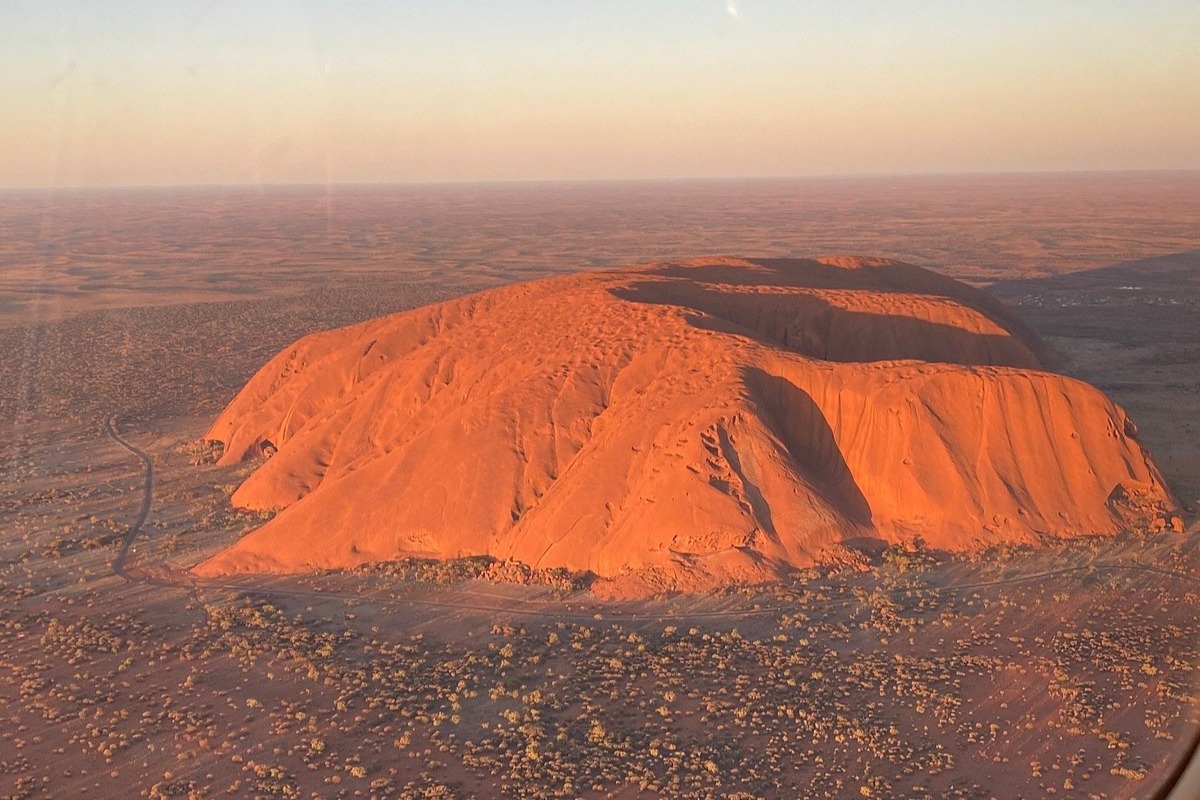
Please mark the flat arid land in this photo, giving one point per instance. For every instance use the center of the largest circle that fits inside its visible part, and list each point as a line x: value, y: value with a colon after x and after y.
x: 129, y: 320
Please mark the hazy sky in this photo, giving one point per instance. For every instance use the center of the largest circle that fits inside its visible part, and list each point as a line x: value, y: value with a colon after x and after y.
x: 310, y: 91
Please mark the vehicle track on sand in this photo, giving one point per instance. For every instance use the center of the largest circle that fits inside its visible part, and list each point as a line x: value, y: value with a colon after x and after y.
x: 119, y: 562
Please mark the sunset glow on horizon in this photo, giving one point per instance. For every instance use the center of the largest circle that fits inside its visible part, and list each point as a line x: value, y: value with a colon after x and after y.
x: 300, y: 91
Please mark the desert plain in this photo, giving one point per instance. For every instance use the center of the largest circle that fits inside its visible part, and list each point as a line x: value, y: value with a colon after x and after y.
x: 130, y: 319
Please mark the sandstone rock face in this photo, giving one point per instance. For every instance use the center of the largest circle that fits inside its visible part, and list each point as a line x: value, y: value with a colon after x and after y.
x: 690, y: 424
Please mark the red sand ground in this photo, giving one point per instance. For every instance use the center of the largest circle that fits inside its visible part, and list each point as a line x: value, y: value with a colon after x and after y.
x: 680, y: 425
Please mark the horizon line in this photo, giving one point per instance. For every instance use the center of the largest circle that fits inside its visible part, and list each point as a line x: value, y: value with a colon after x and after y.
x: 846, y: 176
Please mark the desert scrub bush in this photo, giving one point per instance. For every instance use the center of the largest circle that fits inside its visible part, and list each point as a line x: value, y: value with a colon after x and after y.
x: 457, y: 570
x: 174, y: 789
x: 909, y: 557
x: 201, y: 451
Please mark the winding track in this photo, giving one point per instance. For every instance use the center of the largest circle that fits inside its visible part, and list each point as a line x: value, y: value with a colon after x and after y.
x: 119, y: 565
x: 1182, y: 782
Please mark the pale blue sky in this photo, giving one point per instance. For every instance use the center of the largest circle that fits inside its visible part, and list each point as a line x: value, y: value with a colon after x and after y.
x: 283, y: 91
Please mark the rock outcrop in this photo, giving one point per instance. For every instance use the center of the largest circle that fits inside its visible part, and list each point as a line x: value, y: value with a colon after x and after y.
x: 689, y: 424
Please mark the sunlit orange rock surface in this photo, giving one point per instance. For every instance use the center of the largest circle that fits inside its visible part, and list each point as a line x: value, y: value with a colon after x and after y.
x: 689, y: 424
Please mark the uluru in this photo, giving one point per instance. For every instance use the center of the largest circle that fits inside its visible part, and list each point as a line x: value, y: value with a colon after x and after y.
x: 690, y: 424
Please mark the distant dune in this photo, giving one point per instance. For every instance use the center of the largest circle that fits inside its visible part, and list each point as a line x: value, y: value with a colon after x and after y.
x: 680, y: 426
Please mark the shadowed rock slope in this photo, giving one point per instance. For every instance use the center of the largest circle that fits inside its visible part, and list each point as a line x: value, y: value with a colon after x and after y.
x: 679, y: 425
